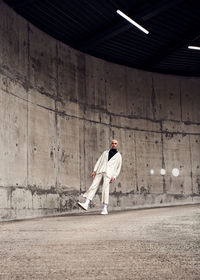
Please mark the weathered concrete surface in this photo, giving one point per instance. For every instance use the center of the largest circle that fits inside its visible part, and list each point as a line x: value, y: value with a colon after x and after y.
x: 59, y: 109
x: 149, y: 244
x: 14, y: 44
x: 189, y: 98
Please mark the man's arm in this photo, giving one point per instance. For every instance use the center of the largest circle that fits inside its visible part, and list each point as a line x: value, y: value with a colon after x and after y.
x: 96, y: 166
x: 118, y: 168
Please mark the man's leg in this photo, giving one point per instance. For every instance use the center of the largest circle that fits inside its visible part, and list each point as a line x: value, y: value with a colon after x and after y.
x: 91, y: 191
x: 105, y: 194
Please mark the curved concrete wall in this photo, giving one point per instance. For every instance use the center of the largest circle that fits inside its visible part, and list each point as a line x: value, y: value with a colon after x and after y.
x: 59, y: 110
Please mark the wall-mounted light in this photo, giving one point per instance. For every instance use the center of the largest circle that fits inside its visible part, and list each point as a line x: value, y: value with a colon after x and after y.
x: 132, y: 21
x: 151, y: 171
x: 162, y: 171
x: 194, y: 48
x: 175, y: 172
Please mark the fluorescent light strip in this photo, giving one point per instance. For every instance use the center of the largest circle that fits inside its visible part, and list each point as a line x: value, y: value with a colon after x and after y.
x: 194, y: 48
x: 132, y: 21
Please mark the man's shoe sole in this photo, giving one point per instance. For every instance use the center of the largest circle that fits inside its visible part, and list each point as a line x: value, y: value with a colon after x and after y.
x: 104, y: 213
x: 79, y: 204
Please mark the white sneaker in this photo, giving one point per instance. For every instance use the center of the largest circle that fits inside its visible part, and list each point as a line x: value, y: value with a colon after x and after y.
x: 104, y: 212
x: 84, y: 206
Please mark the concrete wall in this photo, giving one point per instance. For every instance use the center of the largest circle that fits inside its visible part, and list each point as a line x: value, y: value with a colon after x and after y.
x: 60, y: 108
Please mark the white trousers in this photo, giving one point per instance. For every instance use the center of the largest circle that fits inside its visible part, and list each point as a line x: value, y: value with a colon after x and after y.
x: 94, y: 187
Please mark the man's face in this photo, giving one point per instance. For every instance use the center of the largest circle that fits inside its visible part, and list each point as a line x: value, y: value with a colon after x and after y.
x: 114, y: 145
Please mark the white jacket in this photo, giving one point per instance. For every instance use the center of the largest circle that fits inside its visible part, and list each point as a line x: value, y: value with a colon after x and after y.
x: 111, y: 167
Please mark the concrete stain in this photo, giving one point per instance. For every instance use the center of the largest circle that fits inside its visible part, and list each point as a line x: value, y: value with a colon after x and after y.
x: 169, y: 135
x: 153, y: 100
x: 69, y: 203
x: 145, y: 190
x: 119, y: 185
x: 198, y: 183
x: 51, y: 154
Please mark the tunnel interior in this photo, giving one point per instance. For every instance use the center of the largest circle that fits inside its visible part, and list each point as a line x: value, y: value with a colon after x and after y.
x: 60, y: 108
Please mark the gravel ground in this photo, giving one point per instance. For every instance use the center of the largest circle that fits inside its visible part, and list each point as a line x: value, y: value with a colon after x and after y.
x: 161, y: 243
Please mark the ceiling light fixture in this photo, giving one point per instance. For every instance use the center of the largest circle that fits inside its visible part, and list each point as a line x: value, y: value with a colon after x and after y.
x: 132, y: 21
x: 194, y: 48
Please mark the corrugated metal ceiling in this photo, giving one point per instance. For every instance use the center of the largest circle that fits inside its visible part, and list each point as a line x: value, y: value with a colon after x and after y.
x: 95, y: 28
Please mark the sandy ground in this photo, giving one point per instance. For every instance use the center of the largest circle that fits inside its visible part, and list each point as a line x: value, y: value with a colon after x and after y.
x: 162, y: 243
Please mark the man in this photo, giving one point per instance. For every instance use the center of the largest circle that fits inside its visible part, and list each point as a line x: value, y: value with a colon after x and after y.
x: 107, y: 167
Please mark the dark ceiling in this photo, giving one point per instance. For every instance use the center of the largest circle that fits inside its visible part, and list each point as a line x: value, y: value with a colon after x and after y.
x: 95, y: 28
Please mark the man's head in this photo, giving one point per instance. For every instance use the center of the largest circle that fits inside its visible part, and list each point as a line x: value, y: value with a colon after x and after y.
x: 114, y: 144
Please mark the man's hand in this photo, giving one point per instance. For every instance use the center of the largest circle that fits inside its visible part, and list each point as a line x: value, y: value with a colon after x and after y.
x: 112, y: 180
x: 92, y: 175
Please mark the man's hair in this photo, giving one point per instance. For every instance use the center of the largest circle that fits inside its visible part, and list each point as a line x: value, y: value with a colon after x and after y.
x: 114, y: 140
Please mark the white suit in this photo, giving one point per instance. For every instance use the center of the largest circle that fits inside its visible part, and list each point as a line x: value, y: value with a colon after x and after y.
x: 105, y: 169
